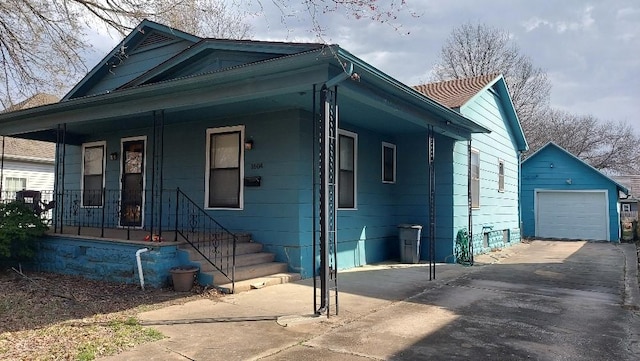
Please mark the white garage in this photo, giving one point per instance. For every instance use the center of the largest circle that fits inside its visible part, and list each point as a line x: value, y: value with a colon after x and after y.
x: 580, y: 214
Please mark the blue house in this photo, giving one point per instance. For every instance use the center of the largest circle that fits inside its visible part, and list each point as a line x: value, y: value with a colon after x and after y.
x: 248, y: 158
x: 486, y: 167
x: 564, y: 197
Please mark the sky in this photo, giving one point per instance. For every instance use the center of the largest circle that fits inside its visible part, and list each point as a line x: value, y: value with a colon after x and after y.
x: 590, y: 50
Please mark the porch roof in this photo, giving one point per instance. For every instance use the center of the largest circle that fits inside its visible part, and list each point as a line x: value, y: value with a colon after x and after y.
x: 373, y: 99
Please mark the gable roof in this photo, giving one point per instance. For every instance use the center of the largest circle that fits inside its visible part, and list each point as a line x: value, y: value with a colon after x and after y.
x: 295, y: 69
x: 457, y: 93
x: 146, y: 35
x: 555, y: 147
x: 209, y: 51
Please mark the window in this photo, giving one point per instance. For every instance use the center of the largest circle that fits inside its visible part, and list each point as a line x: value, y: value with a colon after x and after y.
x: 626, y: 207
x: 225, y: 168
x: 500, y: 175
x: 388, y: 163
x: 93, y: 164
x: 475, y: 179
x: 12, y: 185
x: 347, y: 175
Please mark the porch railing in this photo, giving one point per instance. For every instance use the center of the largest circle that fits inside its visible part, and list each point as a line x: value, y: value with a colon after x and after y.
x: 208, y: 237
x: 170, y: 215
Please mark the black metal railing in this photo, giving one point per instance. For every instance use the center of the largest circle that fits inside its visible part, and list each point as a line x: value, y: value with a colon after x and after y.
x: 135, y: 215
x: 208, y: 237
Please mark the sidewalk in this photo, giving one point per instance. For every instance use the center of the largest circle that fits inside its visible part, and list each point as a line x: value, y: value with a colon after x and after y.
x: 245, y: 326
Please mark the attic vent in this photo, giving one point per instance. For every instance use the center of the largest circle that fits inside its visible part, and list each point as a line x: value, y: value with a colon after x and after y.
x: 153, y: 39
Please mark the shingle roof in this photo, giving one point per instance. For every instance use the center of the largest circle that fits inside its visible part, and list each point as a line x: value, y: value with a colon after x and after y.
x: 34, y: 101
x: 455, y: 93
x: 26, y: 148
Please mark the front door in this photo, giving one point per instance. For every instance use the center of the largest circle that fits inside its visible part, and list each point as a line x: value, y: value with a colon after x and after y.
x: 132, y: 178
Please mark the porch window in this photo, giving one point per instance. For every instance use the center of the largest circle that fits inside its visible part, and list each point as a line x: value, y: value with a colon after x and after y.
x: 347, y: 175
x: 13, y: 185
x: 388, y: 163
x: 225, y: 159
x: 500, y: 175
x: 93, y: 164
x: 475, y: 179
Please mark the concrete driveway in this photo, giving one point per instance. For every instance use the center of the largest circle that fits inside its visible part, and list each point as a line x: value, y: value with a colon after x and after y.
x: 544, y: 300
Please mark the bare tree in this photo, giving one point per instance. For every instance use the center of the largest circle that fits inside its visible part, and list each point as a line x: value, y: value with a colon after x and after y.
x: 42, y: 42
x: 607, y: 146
x: 473, y: 50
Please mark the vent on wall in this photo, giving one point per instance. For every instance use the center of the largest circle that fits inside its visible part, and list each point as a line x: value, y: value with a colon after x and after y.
x: 152, y: 39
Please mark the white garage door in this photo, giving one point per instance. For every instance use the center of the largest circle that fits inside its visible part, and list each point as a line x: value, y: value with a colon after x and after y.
x: 573, y: 215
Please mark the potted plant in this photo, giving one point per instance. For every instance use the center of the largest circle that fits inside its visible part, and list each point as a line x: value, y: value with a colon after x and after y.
x: 183, y: 277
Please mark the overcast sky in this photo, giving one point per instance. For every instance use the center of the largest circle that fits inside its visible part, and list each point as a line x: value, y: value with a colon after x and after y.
x: 590, y: 50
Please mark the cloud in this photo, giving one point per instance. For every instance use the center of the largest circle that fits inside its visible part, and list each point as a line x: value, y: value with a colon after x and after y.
x: 585, y: 21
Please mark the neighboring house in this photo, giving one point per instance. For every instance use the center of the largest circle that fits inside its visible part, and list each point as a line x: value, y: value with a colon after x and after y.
x: 494, y: 157
x: 181, y: 138
x: 27, y: 164
x: 564, y: 197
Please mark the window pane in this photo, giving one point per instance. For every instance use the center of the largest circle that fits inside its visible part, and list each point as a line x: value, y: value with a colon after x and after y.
x: 346, y: 198
x: 224, y: 188
x: 93, y: 160
x: 225, y: 150
x: 501, y: 176
x: 475, y: 179
x: 92, y: 191
x: 388, y: 164
x: 15, y: 184
x: 346, y: 152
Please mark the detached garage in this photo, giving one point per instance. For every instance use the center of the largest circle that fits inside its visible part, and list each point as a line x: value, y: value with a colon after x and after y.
x: 564, y: 197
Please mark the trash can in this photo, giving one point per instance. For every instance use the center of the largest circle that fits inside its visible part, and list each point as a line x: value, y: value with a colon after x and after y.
x: 409, y: 235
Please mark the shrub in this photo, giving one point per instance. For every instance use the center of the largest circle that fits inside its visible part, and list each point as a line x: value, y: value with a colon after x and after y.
x: 19, y: 228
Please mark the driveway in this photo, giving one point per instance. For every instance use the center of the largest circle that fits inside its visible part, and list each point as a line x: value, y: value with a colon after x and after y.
x: 544, y: 300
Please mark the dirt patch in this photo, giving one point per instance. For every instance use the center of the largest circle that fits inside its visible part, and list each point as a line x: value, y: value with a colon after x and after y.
x: 52, y: 316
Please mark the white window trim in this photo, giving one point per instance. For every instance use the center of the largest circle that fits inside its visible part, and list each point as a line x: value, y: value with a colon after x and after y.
x: 392, y: 146
x: 102, y: 143
x: 210, y: 131
x: 144, y: 174
x: 626, y: 205
x: 474, y: 150
x: 504, y: 185
x: 355, y: 170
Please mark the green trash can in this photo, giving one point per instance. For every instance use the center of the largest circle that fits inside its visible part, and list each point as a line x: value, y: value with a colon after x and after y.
x: 409, y: 235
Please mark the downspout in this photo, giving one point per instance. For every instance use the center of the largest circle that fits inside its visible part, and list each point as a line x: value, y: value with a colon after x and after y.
x: 2, y: 170
x: 519, y: 193
x: 139, y: 262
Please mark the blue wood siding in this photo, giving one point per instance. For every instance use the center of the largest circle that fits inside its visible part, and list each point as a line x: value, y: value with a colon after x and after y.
x: 135, y: 65
x: 498, y: 210
x: 538, y: 174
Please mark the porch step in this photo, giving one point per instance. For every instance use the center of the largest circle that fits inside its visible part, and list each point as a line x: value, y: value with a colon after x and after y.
x: 259, y: 282
x: 241, y: 248
x: 242, y: 260
x: 251, y: 271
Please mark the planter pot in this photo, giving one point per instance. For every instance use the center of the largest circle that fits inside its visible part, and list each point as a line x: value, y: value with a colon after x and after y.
x: 183, y: 277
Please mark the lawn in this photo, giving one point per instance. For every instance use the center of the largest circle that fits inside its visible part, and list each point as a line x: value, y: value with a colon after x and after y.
x: 60, y: 317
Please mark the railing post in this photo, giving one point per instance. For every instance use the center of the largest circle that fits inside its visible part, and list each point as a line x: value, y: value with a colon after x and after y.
x: 176, y: 223
x: 104, y: 205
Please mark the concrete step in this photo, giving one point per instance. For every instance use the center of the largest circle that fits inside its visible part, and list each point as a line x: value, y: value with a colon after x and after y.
x: 224, y: 238
x: 223, y: 249
x: 260, y: 282
x: 242, y: 260
x: 249, y: 272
